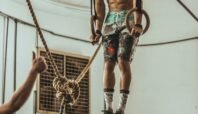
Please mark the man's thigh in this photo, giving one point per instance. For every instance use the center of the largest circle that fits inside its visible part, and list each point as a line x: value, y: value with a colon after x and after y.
x: 110, y: 46
x: 125, y: 47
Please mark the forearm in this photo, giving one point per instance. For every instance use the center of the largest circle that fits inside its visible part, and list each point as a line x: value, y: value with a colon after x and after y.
x: 22, y: 94
x: 138, y: 18
x: 138, y: 15
x: 6, y: 109
x: 100, y: 10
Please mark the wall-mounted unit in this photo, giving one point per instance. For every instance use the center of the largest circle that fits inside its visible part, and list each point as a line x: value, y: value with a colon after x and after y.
x: 69, y: 65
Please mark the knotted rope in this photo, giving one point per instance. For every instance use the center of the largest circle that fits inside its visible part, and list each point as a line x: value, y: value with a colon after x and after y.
x: 68, y: 90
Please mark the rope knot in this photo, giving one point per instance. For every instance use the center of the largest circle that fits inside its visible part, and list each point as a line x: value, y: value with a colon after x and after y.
x: 67, y: 89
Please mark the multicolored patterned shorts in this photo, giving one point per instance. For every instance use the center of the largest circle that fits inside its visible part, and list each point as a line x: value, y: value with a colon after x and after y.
x: 117, y: 45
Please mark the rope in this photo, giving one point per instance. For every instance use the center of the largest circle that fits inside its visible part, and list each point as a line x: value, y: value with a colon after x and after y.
x: 54, y: 66
x: 82, y: 74
x: 67, y: 90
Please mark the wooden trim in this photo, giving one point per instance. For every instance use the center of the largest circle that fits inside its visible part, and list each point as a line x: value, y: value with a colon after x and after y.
x: 65, y: 53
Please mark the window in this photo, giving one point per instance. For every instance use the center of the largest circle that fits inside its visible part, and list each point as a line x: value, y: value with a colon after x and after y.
x: 70, y: 66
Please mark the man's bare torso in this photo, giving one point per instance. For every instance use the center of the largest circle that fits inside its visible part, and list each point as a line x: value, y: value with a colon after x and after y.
x: 118, y: 5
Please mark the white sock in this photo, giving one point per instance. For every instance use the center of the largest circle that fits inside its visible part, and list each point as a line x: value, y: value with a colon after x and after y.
x: 123, y: 101
x: 108, y: 96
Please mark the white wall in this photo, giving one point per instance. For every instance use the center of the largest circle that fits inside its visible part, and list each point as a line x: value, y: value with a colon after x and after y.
x: 169, y: 21
x: 165, y: 80
x: 26, y: 43
x: 60, y: 20
x: 164, y: 77
x: 10, y: 53
x: 10, y: 63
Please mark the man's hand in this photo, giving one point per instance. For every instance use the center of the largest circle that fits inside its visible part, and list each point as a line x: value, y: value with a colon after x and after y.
x: 95, y: 38
x: 137, y: 30
x: 38, y: 63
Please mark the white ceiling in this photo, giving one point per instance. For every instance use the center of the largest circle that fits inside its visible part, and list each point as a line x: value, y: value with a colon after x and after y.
x: 192, y: 5
x: 82, y: 4
x: 85, y: 4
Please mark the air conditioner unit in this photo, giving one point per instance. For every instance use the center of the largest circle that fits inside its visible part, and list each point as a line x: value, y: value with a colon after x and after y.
x: 69, y: 65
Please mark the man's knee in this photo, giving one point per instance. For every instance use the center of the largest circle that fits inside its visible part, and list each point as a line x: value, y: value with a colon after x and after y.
x: 109, y: 65
x: 124, y: 65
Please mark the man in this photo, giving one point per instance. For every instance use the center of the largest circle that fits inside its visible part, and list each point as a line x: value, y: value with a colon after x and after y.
x: 22, y: 94
x: 117, y: 47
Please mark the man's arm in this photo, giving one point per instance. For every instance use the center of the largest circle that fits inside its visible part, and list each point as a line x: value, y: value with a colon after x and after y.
x: 138, y: 16
x: 22, y: 94
x: 100, y: 11
x: 137, y: 29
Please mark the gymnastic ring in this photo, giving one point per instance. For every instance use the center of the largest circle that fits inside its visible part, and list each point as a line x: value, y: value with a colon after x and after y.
x: 92, y: 23
x: 129, y: 28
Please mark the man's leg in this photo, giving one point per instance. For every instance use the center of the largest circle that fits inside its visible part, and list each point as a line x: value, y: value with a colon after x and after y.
x: 125, y: 81
x: 125, y: 78
x: 108, y: 83
x: 110, y: 44
x: 124, y: 54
